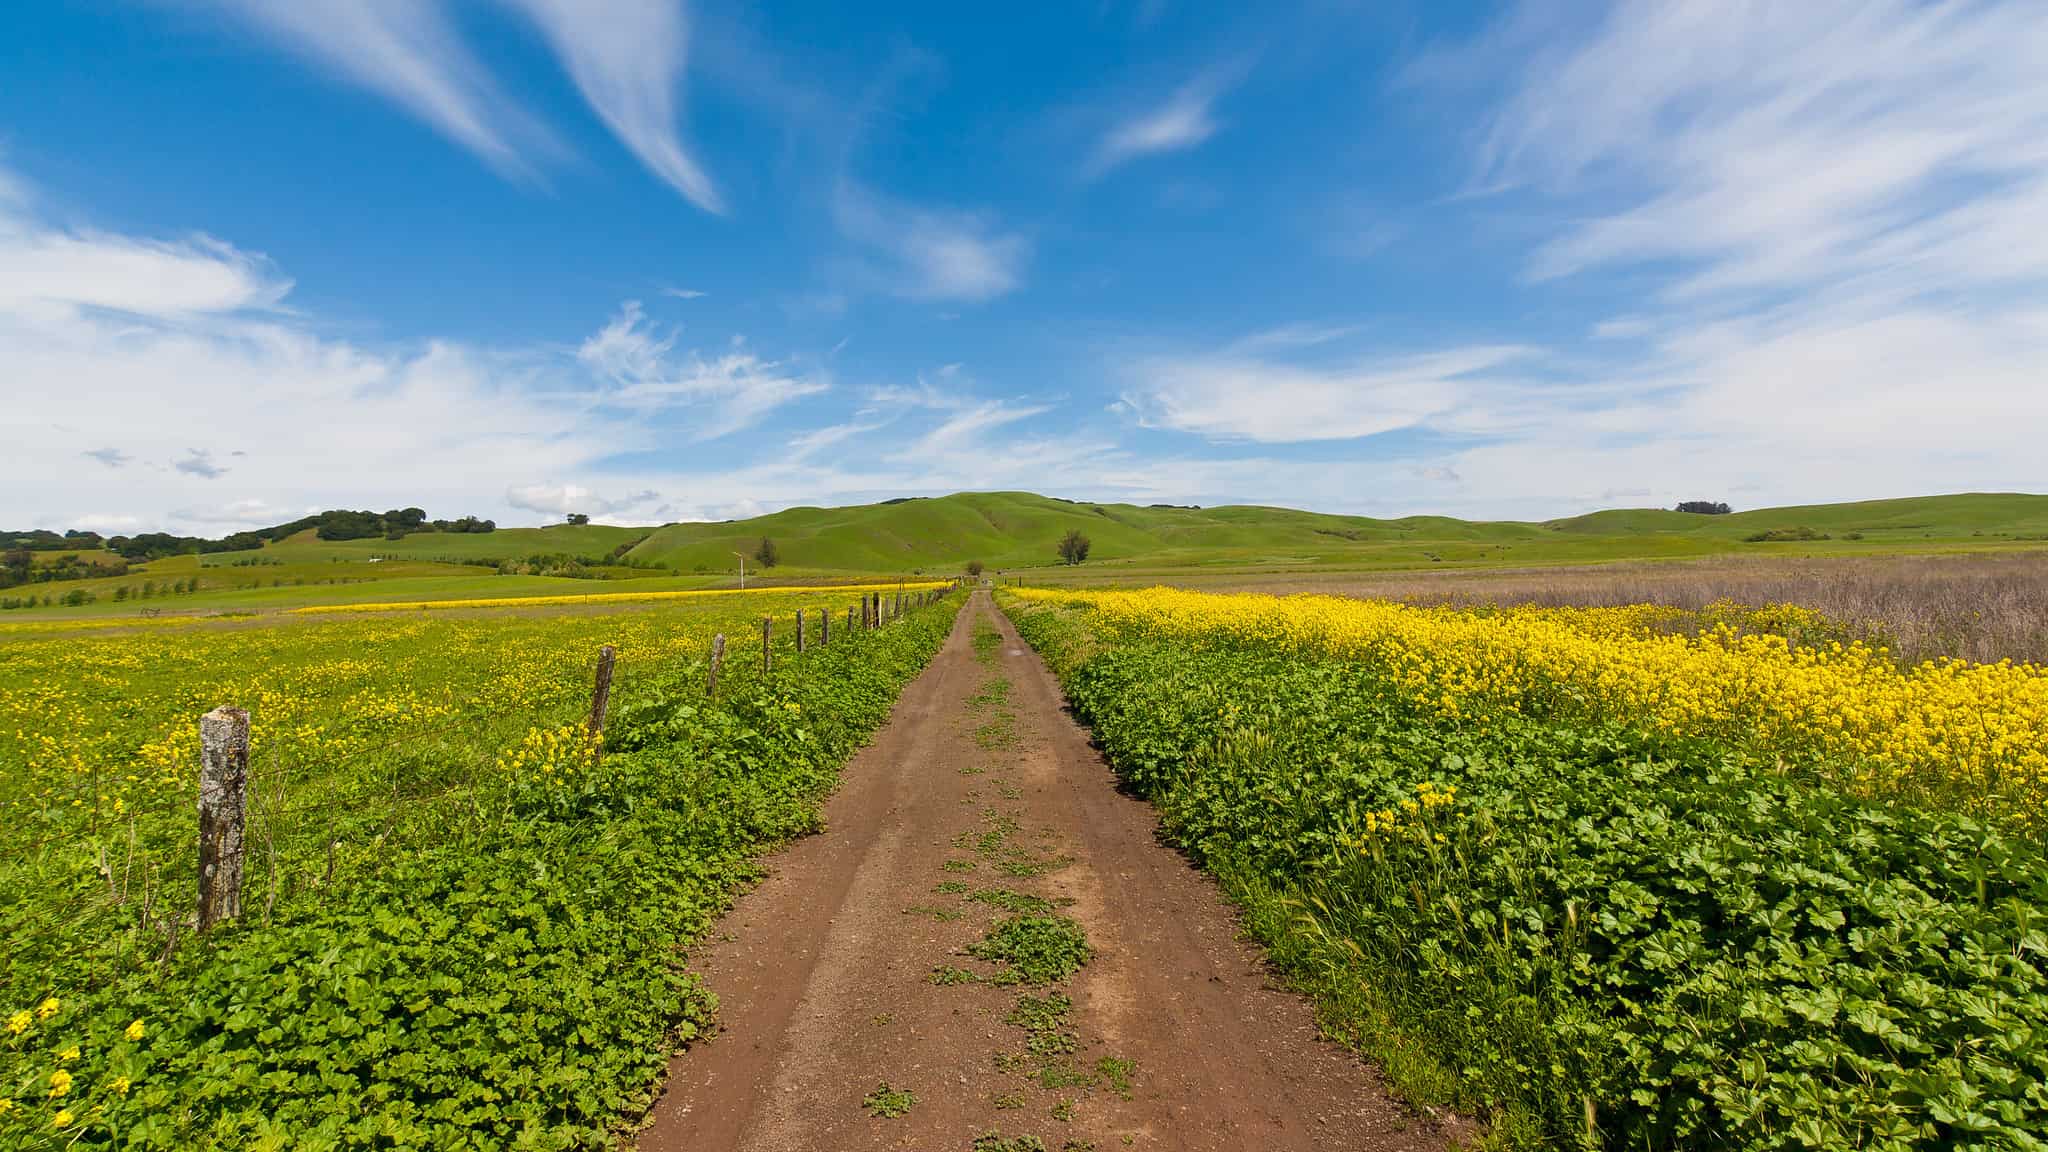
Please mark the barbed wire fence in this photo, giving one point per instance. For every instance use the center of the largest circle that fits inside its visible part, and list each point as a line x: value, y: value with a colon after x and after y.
x: 284, y: 825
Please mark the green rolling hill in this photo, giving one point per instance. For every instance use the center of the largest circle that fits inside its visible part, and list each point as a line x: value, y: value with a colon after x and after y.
x: 1008, y: 532
x: 1019, y: 529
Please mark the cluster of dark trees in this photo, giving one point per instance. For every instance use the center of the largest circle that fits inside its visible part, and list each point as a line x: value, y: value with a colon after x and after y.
x: 44, y: 540
x: 1705, y: 507
x: 18, y: 566
x: 335, y: 524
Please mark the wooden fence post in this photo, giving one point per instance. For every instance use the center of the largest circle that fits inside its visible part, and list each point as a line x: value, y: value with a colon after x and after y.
x: 825, y: 628
x: 223, y: 798
x: 717, y: 658
x: 767, y: 627
x: 799, y: 631
x: 601, y: 690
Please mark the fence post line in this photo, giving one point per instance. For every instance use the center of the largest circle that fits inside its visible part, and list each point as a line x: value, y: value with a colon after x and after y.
x: 601, y: 689
x: 799, y: 631
x: 717, y: 658
x: 223, y: 800
x: 767, y: 627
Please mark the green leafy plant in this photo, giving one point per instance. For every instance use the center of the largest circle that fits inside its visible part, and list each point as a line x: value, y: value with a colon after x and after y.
x: 1592, y: 934
x: 1038, y: 949
x: 888, y: 1103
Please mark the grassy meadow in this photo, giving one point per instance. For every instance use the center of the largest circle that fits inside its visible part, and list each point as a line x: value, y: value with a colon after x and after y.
x: 1602, y: 882
x: 436, y: 850
x: 1013, y: 534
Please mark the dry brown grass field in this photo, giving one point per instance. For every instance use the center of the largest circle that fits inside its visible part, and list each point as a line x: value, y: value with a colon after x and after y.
x: 1984, y: 606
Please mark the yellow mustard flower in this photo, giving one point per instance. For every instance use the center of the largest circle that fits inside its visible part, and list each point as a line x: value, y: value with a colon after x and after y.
x: 60, y: 1083
x: 18, y: 1023
x: 134, y: 1031
x: 120, y: 1085
x: 48, y: 1008
x: 70, y: 1053
x: 62, y: 1119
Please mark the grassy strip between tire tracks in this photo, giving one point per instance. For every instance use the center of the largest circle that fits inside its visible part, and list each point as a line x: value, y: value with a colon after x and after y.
x: 514, y: 981
x: 1590, y: 935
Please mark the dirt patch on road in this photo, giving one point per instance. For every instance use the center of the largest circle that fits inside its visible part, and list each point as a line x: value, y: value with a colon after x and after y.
x: 988, y: 948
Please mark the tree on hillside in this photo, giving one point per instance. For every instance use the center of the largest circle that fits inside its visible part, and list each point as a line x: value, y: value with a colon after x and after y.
x: 974, y: 569
x: 765, y: 554
x: 579, y: 517
x: 1705, y: 507
x: 1073, y: 547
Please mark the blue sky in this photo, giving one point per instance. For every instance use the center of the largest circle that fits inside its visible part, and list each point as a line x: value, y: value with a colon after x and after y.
x: 652, y: 260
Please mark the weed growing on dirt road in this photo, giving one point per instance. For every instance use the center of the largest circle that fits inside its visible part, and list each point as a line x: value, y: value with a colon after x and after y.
x: 888, y: 1103
x: 1010, y: 901
x: 1117, y: 1072
x: 988, y: 641
x: 946, y: 975
x: 994, y: 1141
x: 1034, y: 949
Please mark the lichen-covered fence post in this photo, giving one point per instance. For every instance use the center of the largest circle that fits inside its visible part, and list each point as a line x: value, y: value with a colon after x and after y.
x: 601, y: 698
x: 717, y: 658
x: 824, y: 628
x: 223, y: 800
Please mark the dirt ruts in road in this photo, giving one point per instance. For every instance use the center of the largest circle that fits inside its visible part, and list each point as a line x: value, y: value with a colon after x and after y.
x: 852, y: 966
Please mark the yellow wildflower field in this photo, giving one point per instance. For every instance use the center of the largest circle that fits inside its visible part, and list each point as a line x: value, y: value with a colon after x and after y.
x: 1973, y: 734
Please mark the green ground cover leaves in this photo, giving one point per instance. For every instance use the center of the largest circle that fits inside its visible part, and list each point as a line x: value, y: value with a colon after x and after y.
x: 515, y: 981
x: 1591, y: 936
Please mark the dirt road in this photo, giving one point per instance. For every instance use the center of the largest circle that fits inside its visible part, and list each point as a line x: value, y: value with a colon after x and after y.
x: 849, y: 968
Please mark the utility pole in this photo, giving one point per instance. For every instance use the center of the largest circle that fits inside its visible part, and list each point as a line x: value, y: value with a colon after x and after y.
x: 743, y: 570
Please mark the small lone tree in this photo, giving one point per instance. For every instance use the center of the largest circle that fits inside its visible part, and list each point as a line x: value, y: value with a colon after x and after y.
x: 974, y: 569
x: 579, y: 517
x: 1073, y: 547
x: 765, y: 553
x: 1705, y: 507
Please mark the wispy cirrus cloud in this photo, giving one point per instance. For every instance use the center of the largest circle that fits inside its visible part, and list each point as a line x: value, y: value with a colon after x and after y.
x: 626, y: 58
x: 646, y: 373
x: 1184, y: 120
x: 928, y: 252
x: 1791, y: 146
x: 1263, y: 389
x: 409, y: 52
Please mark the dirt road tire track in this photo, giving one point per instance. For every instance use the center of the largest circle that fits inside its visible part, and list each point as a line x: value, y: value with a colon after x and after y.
x: 824, y: 970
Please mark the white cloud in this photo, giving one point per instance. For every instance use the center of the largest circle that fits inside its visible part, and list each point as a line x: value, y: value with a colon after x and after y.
x: 1793, y: 145
x: 112, y: 524
x: 733, y: 391
x: 1242, y: 394
x: 1184, y: 121
x: 626, y: 57
x: 111, y: 457
x: 932, y: 253
x: 684, y: 293
x: 406, y: 51
x: 561, y: 499
x: 52, y: 268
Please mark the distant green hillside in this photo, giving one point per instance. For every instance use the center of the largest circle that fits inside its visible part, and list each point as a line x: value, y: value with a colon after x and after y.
x: 1019, y: 529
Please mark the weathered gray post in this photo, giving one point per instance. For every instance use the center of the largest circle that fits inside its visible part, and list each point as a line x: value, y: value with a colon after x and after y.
x: 223, y: 799
x: 799, y: 631
x: 717, y: 658
x: 825, y: 628
x: 767, y: 627
x: 601, y: 691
